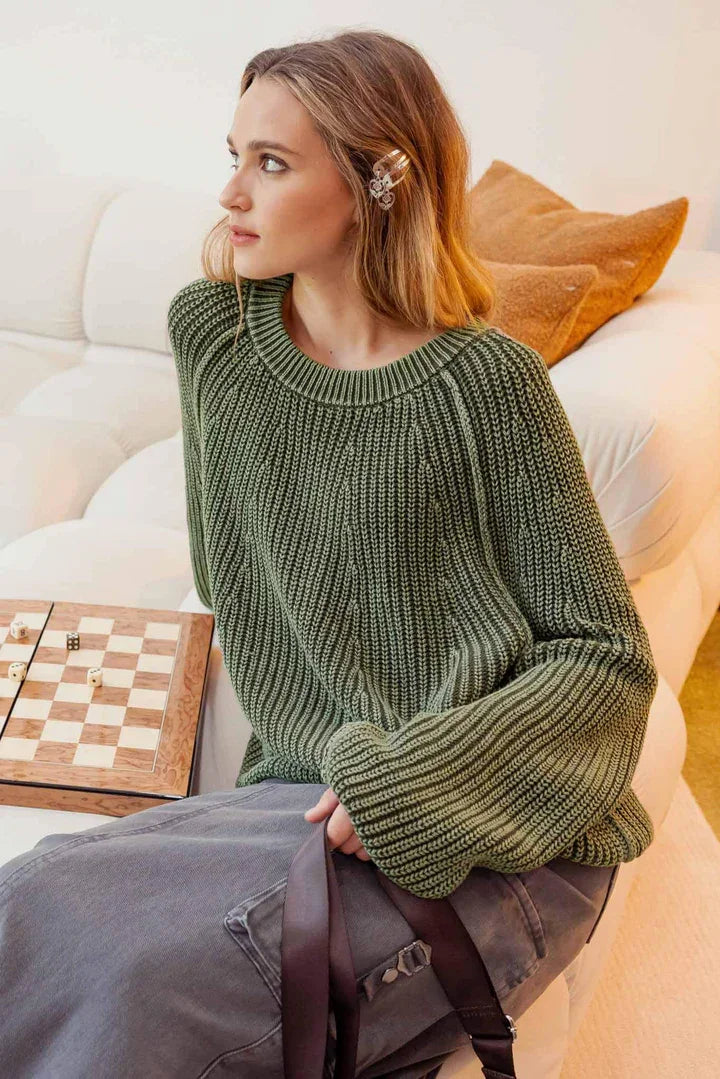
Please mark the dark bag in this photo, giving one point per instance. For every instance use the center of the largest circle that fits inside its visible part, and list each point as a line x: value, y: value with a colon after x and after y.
x: 318, y: 973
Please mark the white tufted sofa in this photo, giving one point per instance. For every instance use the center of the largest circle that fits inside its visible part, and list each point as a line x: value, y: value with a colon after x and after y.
x: 92, y: 492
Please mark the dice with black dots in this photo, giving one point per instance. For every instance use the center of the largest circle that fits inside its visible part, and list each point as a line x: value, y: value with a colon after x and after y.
x: 19, y: 629
x: 17, y: 671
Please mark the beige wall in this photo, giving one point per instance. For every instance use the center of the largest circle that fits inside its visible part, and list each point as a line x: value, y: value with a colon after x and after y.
x: 614, y: 105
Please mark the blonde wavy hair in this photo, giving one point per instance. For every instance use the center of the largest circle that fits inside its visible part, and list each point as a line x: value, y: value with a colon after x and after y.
x: 368, y: 93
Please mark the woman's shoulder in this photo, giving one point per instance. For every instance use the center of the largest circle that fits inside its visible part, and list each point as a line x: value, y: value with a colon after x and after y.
x: 497, y: 364
x: 202, y: 304
x: 509, y: 395
x: 200, y: 315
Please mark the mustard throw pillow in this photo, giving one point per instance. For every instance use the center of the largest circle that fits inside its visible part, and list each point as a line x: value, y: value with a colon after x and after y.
x: 539, y: 305
x: 516, y: 219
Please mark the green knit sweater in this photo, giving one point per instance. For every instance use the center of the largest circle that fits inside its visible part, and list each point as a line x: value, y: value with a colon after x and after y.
x: 416, y: 597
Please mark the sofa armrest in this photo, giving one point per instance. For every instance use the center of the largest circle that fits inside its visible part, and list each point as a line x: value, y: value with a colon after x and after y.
x: 645, y: 408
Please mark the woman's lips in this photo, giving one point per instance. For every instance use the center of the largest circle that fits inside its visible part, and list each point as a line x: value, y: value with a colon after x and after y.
x: 239, y: 238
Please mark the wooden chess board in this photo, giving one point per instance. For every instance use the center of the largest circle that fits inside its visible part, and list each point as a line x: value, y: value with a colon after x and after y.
x: 116, y: 748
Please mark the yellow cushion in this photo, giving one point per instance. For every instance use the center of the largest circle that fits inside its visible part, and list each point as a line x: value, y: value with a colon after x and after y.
x: 539, y: 305
x: 516, y: 219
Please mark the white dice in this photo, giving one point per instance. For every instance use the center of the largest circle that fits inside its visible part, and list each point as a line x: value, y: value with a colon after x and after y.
x: 95, y: 676
x: 18, y: 629
x: 17, y: 671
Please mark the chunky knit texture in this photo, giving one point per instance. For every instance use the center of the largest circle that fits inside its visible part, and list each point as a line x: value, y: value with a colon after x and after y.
x: 417, y: 600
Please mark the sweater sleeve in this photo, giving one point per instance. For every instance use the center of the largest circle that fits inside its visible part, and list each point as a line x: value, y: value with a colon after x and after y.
x: 191, y: 448
x: 541, y: 767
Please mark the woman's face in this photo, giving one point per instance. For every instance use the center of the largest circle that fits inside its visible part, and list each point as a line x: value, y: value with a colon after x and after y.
x: 294, y: 199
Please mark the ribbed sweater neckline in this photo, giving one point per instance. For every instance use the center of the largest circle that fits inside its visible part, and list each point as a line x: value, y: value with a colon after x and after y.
x: 332, y: 385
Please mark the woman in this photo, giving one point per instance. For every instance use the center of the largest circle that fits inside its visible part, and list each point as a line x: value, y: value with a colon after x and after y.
x: 418, y: 604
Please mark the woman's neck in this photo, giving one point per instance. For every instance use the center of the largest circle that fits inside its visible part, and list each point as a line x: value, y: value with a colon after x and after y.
x: 391, y: 344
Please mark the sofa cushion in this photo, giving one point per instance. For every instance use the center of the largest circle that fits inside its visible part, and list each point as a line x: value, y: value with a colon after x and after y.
x: 135, y: 405
x: 53, y: 466
x: 99, y: 561
x: 685, y: 302
x: 147, y: 488
x: 24, y: 366
x: 50, y: 223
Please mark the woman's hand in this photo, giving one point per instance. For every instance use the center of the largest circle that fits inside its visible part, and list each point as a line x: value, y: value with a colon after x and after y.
x: 340, y: 830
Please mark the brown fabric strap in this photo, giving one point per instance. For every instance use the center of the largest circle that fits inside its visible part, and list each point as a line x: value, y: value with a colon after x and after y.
x: 318, y: 973
x: 462, y: 974
x: 316, y: 966
x: 344, y: 997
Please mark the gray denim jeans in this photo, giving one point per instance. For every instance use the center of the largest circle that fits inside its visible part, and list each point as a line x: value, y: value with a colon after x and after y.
x: 149, y: 947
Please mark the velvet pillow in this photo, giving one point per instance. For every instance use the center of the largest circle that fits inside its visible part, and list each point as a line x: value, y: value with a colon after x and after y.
x: 539, y: 305
x: 516, y: 219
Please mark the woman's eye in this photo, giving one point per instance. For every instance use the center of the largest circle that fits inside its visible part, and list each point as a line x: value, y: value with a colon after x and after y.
x: 263, y: 157
x: 269, y: 157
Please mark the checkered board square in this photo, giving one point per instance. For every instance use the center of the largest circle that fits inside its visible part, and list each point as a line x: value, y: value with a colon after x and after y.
x: 11, y: 650
x: 135, y: 733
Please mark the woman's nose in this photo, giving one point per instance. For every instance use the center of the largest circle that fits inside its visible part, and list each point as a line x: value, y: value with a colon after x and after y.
x: 229, y: 199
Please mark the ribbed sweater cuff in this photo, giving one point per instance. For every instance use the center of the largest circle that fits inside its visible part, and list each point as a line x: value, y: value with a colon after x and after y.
x: 407, y: 835
x: 628, y: 827
x: 426, y: 839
